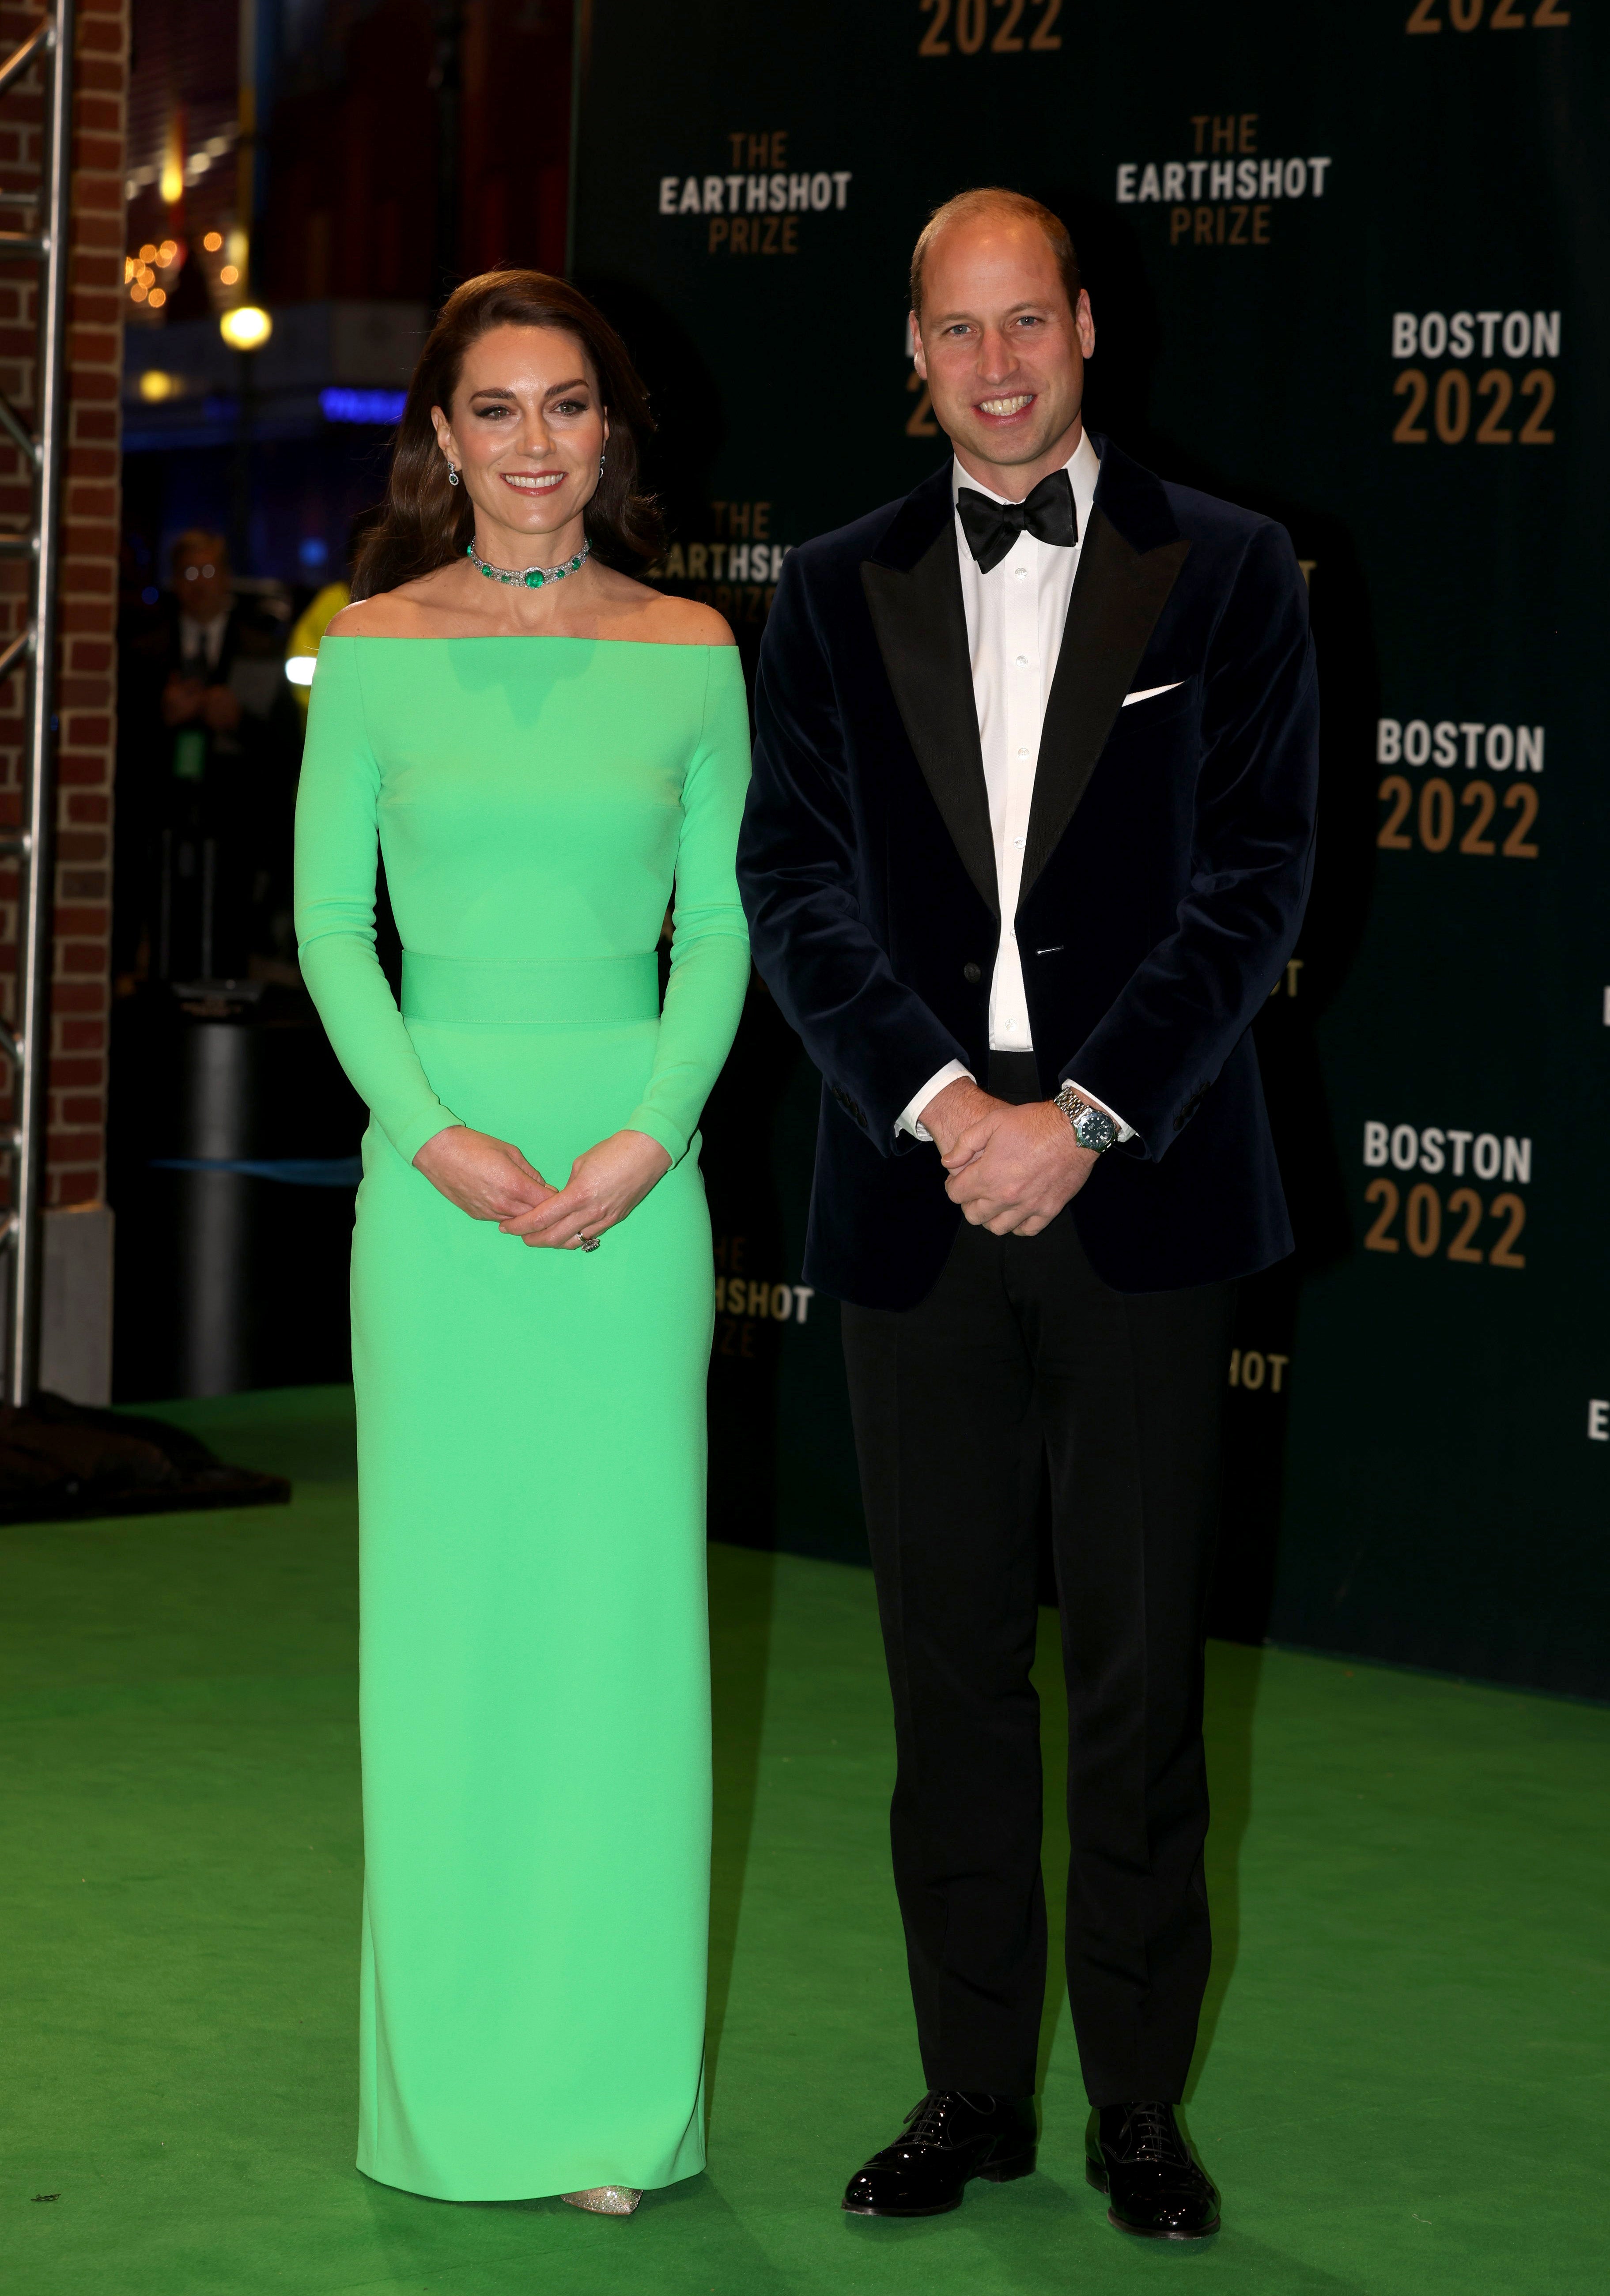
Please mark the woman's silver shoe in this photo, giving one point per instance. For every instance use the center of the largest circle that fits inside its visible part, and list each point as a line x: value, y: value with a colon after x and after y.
x: 605, y: 2200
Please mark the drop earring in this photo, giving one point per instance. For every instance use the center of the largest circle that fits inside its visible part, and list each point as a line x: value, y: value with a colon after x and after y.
x: 452, y: 474
x: 600, y: 465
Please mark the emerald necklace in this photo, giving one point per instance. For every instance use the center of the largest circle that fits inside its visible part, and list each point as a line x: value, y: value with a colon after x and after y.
x: 529, y: 578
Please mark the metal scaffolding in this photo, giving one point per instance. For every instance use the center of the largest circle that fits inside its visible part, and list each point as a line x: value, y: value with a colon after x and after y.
x: 27, y: 1044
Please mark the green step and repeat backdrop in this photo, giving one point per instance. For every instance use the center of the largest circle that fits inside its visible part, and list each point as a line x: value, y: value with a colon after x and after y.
x: 1347, y: 264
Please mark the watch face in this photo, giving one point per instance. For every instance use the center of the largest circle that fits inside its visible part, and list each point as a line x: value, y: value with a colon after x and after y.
x: 1095, y: 1128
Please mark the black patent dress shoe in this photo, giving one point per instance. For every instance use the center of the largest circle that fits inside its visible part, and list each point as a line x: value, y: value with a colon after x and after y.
x: 950, y: 2137
x: 1139, y: 2157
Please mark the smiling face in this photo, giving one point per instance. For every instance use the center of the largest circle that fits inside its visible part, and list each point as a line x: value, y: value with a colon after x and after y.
x: 526, y: 430
x: 1002, y: 354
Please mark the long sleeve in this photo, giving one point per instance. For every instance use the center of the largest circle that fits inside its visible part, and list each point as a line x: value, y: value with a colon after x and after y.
x: 709, y: 940
x: 1162, y: 1041
x: 873, y: 1038
x: 336, y: 845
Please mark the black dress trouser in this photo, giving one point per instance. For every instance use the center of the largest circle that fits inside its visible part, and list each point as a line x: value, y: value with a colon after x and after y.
x: 1020, y: 1357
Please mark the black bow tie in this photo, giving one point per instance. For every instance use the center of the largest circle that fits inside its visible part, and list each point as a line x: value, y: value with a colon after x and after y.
x: 991, y: 528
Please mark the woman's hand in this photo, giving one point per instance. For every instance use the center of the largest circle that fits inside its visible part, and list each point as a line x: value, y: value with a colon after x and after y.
x: 605, y: 1184
x: 488, y: 1178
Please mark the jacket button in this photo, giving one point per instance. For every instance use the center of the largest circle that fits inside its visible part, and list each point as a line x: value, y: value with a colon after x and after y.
x: 972, y: 972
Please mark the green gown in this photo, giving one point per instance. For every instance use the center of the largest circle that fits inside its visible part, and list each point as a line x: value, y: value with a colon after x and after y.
x: 534, y: 1659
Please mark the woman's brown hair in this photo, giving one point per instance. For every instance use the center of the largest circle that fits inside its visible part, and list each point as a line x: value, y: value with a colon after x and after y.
x: 426, y: 523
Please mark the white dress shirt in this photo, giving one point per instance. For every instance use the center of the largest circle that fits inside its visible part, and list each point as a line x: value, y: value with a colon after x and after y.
x: 201, y: 642
x: 1015, y: 616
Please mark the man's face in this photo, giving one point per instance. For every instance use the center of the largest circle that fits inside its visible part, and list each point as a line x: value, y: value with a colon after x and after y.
x: 201, y: 582
x: 1002, y: 355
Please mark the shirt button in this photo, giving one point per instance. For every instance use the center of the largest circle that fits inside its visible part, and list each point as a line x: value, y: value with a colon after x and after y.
x: 1023, y: 754
x: 1023, y: 661
x: 1018, y: 842
x: 1021, y: 571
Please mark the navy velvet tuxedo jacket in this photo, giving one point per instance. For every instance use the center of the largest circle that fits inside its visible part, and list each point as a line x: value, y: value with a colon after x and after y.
x: 1169, y: 855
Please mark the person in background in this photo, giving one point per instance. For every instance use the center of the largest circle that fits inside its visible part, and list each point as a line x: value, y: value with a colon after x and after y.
x: 206, y: 775
x: 301, y: 650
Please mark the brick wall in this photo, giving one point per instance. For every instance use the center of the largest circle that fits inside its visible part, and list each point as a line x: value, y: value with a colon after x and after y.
x: 76, y: 1155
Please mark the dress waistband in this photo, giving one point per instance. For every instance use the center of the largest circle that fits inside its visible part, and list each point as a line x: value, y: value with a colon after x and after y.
x: 596, y: 991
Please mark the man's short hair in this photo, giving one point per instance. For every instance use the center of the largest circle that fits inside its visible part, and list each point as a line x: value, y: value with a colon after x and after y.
x: 199, y: 542
x: 992, y: 199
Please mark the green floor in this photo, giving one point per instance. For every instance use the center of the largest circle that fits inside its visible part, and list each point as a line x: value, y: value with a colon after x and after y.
x: 1401, y: 2090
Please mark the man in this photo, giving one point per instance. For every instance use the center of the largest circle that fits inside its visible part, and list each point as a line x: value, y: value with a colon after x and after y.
x: 206, y: 776
x: 1028, y: 846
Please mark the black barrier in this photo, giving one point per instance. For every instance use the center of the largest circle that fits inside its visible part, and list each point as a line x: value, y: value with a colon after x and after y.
x: 1342, y: 262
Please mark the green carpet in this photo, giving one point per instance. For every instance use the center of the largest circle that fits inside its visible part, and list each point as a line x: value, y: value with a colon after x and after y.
x: 1400, y: 2087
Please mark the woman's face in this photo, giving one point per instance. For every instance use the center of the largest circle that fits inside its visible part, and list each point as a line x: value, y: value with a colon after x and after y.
x: 526, y: 430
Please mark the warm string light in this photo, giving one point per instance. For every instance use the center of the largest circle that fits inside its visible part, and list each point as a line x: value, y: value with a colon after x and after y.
x: 140, y: 270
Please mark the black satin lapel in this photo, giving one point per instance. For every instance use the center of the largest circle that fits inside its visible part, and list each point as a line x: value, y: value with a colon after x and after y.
x: 1118, y: 594
x: 921, y: 634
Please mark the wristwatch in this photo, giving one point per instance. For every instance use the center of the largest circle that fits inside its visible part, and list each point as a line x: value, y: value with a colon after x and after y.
x: 1093, y: 1127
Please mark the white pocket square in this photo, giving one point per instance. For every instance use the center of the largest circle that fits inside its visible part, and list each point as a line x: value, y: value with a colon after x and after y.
x: 1148, y: 692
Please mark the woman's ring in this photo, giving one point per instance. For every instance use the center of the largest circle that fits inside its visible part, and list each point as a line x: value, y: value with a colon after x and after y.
x: 589, y: 1243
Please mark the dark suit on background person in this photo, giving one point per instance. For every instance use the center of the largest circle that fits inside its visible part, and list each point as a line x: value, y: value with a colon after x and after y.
x: 204, y: 809
x: 1164, y: 873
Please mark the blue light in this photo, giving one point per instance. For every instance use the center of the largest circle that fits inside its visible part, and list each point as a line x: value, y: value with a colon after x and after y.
x: 312, y: 550
x: 150, y: 597
x: 363, y: 405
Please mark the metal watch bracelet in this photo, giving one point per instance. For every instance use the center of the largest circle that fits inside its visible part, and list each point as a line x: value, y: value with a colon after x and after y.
x: 1093, y: 1127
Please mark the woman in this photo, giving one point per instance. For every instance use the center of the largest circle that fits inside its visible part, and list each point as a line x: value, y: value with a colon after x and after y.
x: 542, y: 745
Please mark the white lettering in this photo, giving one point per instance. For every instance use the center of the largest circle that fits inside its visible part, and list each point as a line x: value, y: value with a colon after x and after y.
x: 1374, y: 1135
x: 1196, y: 169
x: 1498, y: 748
x: 1296, y: 179
x: 754, y: 194
x: 798, y: 192
x: 1405, y: 1147
x: 1249, y: 1378
x: 841, y: 186
x: 1318, y: 167
x: 1487, y: 321
x: 1458, y: 1140
x: 1517, y: 335
x: 1269, y: 188
x: 1445, y: 749
x: 1276, y: 1365
x: 1486, y: 1156
x: 1472, y: 728
x: 821, y: 190
x: 1222, y: 179
x: 776, y: 198
x: 1150, y: 188
x: 1529, y: 749
x: 1433, y: 335
x: 1126, y: 183
x: 713, y: 196
x: 1389, y: 741
x: 1246, y: 179
x: 1417, y: 742
x: 667, y: 194
x: 1517, y: 1159
x: 1432, y: 1158
x: 1545, y: 334
x: 1173, y: 180
x: 689, y: 202
x: 803, y: 1294
x: 1461, y: 342
x: 1598, y: 1422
